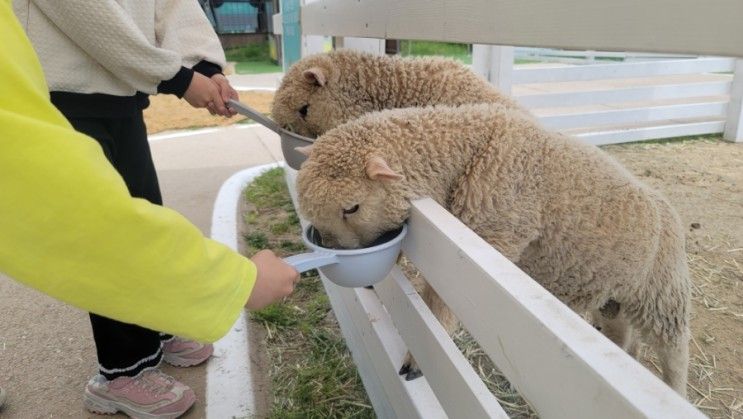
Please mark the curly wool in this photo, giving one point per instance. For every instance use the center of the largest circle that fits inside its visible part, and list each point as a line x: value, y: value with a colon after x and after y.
x: 342, y: 85
x: 563, y: 211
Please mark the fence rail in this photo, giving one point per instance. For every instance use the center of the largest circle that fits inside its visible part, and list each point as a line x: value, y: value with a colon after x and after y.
x: 681, y: 26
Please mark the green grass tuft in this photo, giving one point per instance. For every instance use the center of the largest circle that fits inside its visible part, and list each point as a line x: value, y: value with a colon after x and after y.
x: 312, y: 373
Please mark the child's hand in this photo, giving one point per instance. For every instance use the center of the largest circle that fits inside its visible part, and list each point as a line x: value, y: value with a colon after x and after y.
x: 275, y: 280
x: 226, y: 90
x: 204, y: 93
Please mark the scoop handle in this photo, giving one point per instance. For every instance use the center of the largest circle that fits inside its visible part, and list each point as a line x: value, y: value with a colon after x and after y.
x: 306, y: 261
x: 253, y: 114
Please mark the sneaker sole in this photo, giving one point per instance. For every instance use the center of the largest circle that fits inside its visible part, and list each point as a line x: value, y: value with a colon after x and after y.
x: 101, y: 406
x: 183, y: 362
x: 178, y: 361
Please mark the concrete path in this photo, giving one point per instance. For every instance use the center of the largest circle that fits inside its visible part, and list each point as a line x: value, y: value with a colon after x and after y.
x: 46, y: 350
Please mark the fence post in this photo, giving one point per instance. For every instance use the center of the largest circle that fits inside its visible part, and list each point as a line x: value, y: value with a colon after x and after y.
x: 370, y: 45
x: 734, y: 122
x: 495, y: 63
x: 312, y: 44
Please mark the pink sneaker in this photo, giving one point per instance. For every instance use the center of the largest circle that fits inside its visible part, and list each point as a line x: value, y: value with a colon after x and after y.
x: 149, y: 395
x: 186, y: 353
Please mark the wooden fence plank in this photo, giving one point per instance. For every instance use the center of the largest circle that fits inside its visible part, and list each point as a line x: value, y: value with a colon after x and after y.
x: 562, y: 365
x: 635, y: 115
x: 631, y: 94
x: 734, y: 123
x: 652, y: 133
x: 377, y: 337
x: 458, y: 387
x: 622, y: 70
x: 670, y: 26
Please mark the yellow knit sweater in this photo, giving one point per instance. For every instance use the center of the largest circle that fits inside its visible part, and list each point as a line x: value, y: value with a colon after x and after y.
x: 69, y: 228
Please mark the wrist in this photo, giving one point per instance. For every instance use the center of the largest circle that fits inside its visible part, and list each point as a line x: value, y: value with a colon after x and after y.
x: 178, y: 84
x: 207, y: 68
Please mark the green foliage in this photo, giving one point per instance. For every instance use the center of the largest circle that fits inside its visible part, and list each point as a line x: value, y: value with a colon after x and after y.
x: 459, y: 52
x: 257, y: 240
x: 251, y: 52
x: 312, y: 372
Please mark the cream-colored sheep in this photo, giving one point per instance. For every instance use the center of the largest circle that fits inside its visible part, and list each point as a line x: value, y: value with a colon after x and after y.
x: 322, y: 91
x: 564, y: 212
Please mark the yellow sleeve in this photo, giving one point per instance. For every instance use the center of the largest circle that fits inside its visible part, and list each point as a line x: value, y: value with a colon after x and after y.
x: 69, y: 228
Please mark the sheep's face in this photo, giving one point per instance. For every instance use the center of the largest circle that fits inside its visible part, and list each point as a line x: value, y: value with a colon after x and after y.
x: 307, y: 100
x: 351, y: 207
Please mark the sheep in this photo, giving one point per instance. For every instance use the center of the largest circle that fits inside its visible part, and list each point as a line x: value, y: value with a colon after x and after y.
x: 324, y: 90
x: 564, y: 212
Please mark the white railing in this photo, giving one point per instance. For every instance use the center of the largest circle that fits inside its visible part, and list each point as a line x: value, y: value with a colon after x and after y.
x: 638, y: 110
x: 655, y: 107
x: 558, y: 363
x: 587, y: 57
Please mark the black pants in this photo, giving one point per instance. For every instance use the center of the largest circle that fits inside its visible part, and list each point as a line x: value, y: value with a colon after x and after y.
x: 125, y: 349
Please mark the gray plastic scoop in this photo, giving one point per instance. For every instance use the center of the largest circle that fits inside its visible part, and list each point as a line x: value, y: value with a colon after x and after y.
x: 289, y: 140
x: 353, y: 267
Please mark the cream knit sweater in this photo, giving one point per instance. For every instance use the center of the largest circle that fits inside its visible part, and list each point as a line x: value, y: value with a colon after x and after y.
x: 117, y: 47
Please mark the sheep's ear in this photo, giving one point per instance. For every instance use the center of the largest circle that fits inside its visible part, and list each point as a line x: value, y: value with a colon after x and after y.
x: 378, y: 169
x: 315, y: 75
x: 306, y: 150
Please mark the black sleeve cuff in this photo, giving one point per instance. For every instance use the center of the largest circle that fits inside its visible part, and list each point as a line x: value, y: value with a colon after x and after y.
x: 206, y: 68
x: 178, y: 84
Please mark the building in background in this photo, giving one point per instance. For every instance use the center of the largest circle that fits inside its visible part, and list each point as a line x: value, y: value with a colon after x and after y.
x: 243, y: 22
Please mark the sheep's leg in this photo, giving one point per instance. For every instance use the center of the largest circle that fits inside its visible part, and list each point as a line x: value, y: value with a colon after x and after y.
x: 444, y: 315
x: 674, y: 361
x: 617, y: 330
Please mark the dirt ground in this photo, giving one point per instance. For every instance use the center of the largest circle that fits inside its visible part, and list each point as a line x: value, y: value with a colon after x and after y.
x: 704, y: 181
x: 167, y: 112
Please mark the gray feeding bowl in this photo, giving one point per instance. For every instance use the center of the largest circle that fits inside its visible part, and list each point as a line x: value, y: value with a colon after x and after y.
x: 351, y: 268
x: 289, y: 140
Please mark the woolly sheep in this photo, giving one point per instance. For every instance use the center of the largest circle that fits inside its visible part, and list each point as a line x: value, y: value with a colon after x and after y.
x: 563, y: 211
x: 322, y: 91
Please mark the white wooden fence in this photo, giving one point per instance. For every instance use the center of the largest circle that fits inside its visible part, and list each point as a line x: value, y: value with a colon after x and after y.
x: 622, y: 101
x: 559, y: 363
x: 658, y: 99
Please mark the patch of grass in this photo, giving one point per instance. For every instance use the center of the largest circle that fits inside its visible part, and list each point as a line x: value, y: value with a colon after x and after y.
x: 257, y: 67
x: 312, y: 373
x: 257, y: 240
x: 252, y: 59
x: 525, y: 61
x: 269, y: 191
x: 456, y: 51
x: 251, y: 52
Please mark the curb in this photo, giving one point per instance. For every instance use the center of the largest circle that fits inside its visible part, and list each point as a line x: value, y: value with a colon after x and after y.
x: 229, y: 379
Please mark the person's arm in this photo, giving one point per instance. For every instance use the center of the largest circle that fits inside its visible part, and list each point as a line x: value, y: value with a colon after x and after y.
x: 69, y: 228
x: 182, y: 26
x: 108, y: 34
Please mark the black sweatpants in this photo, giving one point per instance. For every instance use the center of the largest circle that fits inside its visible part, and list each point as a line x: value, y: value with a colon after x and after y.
x: 125, y: 349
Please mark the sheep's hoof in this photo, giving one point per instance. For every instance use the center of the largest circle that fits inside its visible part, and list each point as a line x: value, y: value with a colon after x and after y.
x: 413, y: 374
x: 404, y: 369
x: 410, y: 368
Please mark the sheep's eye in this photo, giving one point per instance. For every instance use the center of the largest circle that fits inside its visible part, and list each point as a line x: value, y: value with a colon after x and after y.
x: 351, y: 210
x: 303, y: 111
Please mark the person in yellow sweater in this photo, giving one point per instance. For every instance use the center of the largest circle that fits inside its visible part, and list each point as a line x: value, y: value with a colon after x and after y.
x: 70, y: 228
